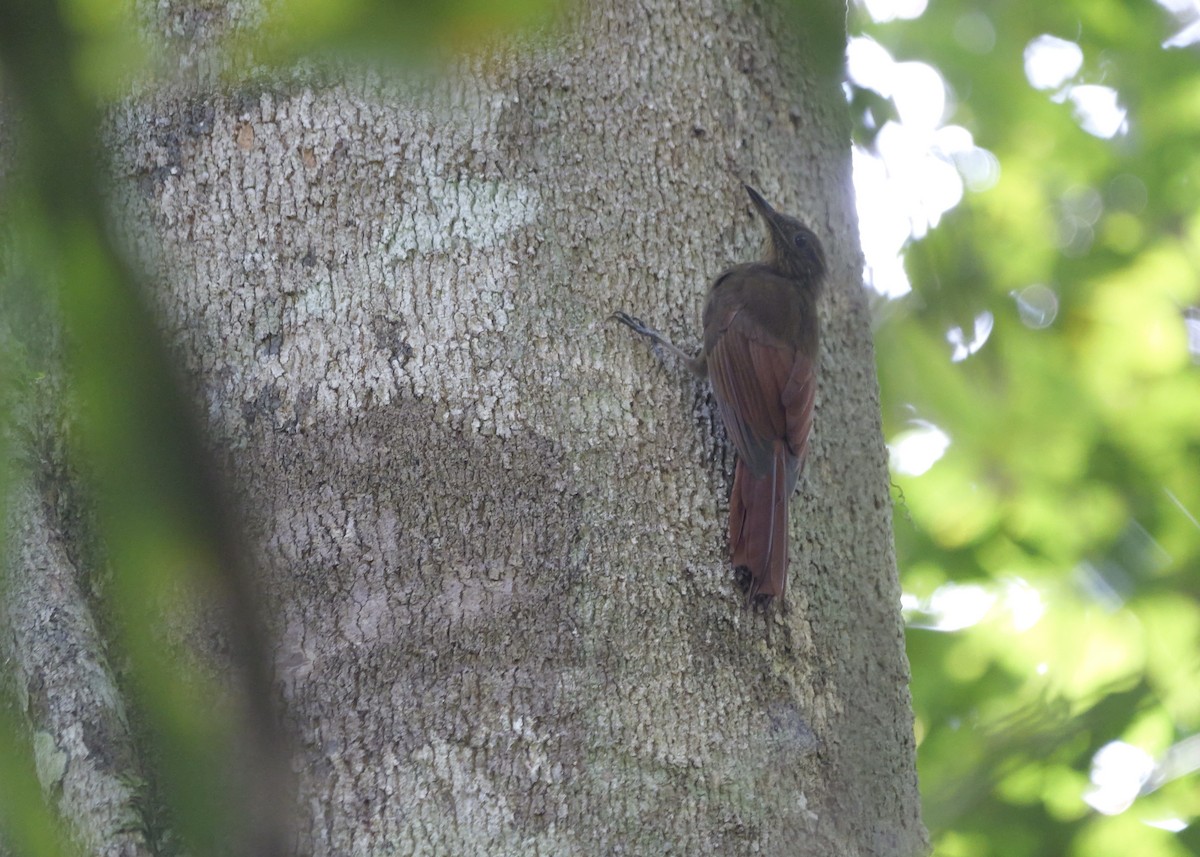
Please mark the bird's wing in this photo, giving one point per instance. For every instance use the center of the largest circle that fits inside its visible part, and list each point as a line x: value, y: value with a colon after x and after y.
x: 764, y: 389
x: 798, y: 396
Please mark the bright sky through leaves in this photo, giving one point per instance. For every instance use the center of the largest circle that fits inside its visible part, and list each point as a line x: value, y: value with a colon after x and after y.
x: 1026, y: 179
x: 917, y: 169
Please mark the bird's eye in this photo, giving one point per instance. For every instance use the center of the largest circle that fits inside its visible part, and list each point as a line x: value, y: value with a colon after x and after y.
x: 800, y: 240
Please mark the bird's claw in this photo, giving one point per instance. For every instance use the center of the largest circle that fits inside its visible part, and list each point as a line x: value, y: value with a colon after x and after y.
x: 636, y: 324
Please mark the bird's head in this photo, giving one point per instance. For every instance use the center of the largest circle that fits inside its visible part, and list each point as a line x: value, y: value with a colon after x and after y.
x: 792, y: 248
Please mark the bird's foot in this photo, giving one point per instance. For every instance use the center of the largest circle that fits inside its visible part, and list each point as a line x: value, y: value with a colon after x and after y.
x: 635, y: 324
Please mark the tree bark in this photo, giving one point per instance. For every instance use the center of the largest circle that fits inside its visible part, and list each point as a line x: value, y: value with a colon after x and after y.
x: 490, y: 525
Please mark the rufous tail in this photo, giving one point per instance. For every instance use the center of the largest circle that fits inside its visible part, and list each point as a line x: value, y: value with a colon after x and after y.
x: 758, y: 525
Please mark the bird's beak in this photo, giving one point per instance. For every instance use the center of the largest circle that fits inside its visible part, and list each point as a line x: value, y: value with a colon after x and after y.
x: 769, y: 215
x: 764, y: 209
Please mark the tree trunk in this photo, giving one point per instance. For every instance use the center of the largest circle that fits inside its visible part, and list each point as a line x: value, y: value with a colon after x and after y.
x: 491, y: 526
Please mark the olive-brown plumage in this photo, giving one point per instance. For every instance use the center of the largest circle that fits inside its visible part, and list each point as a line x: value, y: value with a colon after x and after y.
x: 760, y: 352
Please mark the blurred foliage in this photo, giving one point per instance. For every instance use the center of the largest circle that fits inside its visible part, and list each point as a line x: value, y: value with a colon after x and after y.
x: 131, y: 426
x: 1060, y: 526
x: 405, y: 31
x: 168, y: 546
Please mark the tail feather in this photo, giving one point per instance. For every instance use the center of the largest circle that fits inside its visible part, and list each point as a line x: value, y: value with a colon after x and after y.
x: 758, y: 524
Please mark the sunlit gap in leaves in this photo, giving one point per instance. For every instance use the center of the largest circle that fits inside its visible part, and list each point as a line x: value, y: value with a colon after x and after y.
x: 1188, y: 14
x: 918, y: 167
x: 1121, y: 773
x: 882, y: 11
x: 964, y: 347
x: 915, y: 450
x: 1191, y: 321
x: 958, y: 606
x: 1053, y: 64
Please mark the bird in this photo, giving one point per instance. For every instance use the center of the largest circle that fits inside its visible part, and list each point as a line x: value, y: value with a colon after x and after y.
x: 760, y: 352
